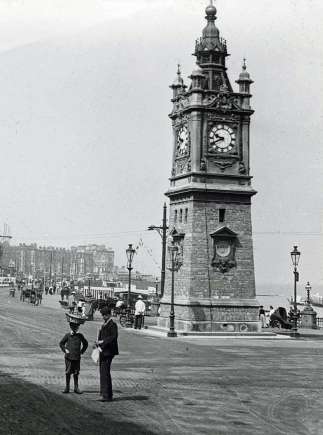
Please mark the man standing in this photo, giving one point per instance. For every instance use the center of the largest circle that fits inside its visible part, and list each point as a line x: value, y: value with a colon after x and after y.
x: 262, y: 316
x: 71, y: 302
x: 107, y: 344
x: 140, y: 308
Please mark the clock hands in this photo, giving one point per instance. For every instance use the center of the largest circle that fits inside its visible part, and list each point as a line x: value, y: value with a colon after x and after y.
x: 219, y: 138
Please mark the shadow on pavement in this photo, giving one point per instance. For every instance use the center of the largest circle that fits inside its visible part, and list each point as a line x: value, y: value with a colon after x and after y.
x: 31, y: 409
x: 121, y: 399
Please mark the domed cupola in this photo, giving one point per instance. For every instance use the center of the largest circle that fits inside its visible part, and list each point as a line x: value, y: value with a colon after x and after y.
x: 211, y: 34
x: 211, y: 53
x: 210, y: 40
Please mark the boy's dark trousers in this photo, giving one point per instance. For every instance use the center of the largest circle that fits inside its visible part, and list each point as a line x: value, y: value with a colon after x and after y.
x: 105, y: 378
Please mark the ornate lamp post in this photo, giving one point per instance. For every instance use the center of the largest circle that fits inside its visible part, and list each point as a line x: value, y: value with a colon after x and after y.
x: 156, y: 286
x: 295, y: 254
x: 173, y: 250
x: 130, y: 253
x: 308, y: 289
x: 308, y: 315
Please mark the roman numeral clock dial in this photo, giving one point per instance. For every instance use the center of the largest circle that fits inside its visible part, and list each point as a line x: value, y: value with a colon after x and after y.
x: 222, y: 139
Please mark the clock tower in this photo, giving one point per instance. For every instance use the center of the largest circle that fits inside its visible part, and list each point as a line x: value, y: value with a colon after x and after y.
x: 210, y: 196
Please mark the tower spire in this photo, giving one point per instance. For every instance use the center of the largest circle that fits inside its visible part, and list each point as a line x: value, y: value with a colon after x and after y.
x: 211, y: 52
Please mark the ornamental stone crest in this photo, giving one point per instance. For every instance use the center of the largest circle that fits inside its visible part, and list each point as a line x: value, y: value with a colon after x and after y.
x: 222, y: 101
x: 224, y: 249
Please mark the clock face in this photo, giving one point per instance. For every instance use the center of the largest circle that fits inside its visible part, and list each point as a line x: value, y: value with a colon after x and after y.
x: 222, y: 138
x: 182, y: 141
x: 223, y: 249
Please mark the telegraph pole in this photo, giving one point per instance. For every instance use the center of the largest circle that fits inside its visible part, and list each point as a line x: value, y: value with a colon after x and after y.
x: 162, y: 231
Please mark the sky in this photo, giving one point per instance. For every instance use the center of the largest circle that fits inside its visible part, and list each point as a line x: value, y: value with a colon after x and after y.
x: 86, y: 140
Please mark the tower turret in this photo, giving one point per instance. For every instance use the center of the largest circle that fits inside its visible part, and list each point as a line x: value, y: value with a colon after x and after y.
x: 178, y: 85
x: 244, y: 83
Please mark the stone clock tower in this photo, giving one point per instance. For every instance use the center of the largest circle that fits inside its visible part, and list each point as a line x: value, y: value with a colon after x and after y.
x: 210, y: 196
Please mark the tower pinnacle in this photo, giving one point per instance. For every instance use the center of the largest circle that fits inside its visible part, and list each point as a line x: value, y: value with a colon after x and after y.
x: 178, y: 85
x: 244, y: 80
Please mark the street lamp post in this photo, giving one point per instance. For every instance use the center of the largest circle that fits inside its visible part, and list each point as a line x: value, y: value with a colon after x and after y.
x: 130, y: 253
x: 162, y: 231
x: 308, y: 289
x: 156, y: 286
x: 295, y: 254
x: 173, y: 250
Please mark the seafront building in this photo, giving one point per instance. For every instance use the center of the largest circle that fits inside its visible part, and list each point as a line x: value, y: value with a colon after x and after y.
x: 77, y: 262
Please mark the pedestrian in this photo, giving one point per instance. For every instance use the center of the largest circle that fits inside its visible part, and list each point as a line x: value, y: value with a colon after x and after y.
x: 107, y: 343
x: 71, y: 302
x: 262, y: 316
x: 119, y: 306
x: 73, y: 344
x: 80, y: 305
x: 140, y: 308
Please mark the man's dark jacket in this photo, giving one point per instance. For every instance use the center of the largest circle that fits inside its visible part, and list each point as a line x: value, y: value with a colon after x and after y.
x: 109, y: 335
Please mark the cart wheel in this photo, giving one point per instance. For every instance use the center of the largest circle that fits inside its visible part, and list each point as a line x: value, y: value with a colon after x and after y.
x: 276, y: 324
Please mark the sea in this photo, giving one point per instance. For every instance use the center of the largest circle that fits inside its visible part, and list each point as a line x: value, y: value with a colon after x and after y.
x: 278, y: 296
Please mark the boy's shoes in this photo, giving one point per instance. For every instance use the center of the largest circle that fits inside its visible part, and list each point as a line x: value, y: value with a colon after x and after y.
x: 78, y: 391
x: 67, y: 390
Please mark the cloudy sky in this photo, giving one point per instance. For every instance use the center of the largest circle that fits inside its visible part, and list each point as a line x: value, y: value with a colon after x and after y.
x: 85, y: 137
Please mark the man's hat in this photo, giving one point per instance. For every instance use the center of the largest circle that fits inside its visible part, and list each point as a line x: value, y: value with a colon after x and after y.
x: 105, y: 311
x: 73, y: 293
x: 139, y: 297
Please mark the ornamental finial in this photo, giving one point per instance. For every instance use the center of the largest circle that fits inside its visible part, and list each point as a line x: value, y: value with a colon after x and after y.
x: 244, y: 65
x: 211, y: 11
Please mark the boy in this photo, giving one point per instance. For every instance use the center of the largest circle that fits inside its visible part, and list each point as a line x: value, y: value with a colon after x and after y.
x: 73, y: 345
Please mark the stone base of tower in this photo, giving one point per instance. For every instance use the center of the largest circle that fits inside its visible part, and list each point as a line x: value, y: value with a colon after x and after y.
x: 232, y: 316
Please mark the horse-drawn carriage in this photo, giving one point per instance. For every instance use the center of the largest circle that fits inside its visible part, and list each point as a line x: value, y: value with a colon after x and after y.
x: 280, y: 319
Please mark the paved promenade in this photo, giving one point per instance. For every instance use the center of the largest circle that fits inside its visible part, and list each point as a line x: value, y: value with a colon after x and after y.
x: 162, y: 386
